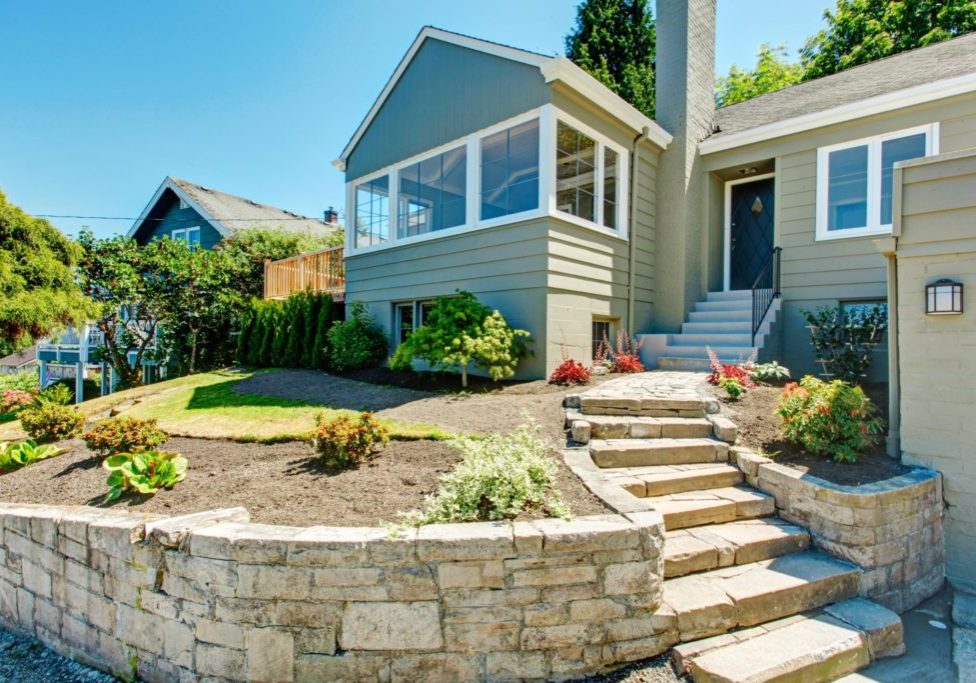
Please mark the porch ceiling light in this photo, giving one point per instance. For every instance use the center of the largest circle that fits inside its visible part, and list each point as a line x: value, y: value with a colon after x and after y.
x: 943, y: 297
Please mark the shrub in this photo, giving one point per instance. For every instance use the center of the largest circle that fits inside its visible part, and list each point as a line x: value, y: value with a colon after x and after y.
x: 357, y: 342
x: 499, y: 477
x: 58, y: 393
x: 460, y: 330
x: 123, y: 435
x: 144, y: 472
x: 570, y: 372
x: 13, y: 456
x: 344, y: 441
x: 844, y: 340
x: 325, y: 317
x: 24, y: 381
x: 51, y: 421
x: 733, y: 387
x: 768, y: 372
x: 15, y: 399
x: 832, y: 418
x: 735, y: 378
x: 626, y: 354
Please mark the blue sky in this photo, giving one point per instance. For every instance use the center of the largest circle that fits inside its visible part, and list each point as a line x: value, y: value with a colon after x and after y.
x: 100, y: 100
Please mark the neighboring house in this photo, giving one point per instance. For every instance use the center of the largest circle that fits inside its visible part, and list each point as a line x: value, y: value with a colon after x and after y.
x: 203, y: 216
x: 519, y: 177
x: 21, y: 361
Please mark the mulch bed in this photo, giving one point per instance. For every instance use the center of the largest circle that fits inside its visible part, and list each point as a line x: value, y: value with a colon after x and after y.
x: 278, y: 484
x: 760, y: 430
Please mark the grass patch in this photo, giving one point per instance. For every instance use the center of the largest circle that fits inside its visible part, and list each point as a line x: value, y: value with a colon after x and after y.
x: 207, y: 406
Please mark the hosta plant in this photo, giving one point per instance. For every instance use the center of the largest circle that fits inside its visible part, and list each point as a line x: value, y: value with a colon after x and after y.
x: 13, y: 456
x: 344, y: 441
x: 146, y: 472
x: 51, y: 421
x: 833, y: 419
x: 768, y: 372
x: 123, y: 435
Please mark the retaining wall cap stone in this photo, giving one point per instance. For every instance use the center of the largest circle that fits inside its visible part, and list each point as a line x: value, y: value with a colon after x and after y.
x: 172, y: 531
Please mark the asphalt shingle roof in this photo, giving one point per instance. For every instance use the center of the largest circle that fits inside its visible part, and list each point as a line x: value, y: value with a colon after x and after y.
x: 18, y: 358
x: 937, y: 62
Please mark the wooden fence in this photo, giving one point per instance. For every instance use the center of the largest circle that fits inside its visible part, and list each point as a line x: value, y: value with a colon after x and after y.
x: 318, y: 271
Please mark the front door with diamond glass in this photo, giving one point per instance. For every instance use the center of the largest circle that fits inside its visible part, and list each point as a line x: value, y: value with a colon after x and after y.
x: 751, y: 231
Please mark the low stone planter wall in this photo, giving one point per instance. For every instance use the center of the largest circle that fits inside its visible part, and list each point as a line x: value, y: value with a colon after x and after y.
x: 891, y: 528
x: 211, y: 595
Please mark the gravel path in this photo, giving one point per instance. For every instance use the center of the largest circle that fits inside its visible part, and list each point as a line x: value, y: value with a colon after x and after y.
x: 25, y: 660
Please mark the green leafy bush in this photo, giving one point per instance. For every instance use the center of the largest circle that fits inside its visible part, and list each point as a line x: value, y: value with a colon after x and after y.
x: 344, y: 441
x: 22, y: 381
x: 459, y: 331
x: 146, y: 472
x: 733, y: 387
x: 356, y: 342
x: 58, y: 393
x: 832, y: 419
x: 13, y: 456
x: 51, y: 421
x: 283, y: 333
x: 123, y: 435
x: 844, y: 339
x: 499, y: 477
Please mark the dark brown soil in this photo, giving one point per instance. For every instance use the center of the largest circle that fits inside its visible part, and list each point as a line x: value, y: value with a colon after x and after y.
x: 760, y: 429
x: 444, y: 381
x: 278, y: 484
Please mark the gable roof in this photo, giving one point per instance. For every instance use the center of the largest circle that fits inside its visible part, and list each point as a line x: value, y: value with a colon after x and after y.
x: 228, y: 213
x: 920, y: 75
x: 552, y: 68
x: 20, y: 358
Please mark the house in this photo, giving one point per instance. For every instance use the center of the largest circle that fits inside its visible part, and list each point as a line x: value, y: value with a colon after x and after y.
x: 519, y: 177
x: 20, y: 361
x: 204, y: 216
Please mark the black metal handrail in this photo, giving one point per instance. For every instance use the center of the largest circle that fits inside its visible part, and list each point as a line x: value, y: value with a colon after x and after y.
x: 765, y: 289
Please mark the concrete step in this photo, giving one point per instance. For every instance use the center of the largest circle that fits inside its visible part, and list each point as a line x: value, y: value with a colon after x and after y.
x: 642, y: 406
x: 720, y: 316
x: 820, y: 645
x: 635, y: 427
x: 704, y: 548
x: 645, y: 452
x: 719, y: 340
x: 715, y: 506
x: 663, y: 480
x: 720, y: 600
x: 728, y: 305
x: 728, y: 354
x: 683, y: 364
x: 717, y: 327
x: 735, y: 294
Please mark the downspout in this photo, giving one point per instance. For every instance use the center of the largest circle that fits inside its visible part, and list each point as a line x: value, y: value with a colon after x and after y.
x: 632, y: 229
x: 889, y: 248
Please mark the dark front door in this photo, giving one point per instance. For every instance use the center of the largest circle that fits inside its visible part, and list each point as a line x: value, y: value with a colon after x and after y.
x: 751, y: 234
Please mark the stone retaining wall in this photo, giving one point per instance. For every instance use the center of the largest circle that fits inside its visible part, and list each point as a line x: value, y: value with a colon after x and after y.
x: 891, y: 528
x: 213, y: 596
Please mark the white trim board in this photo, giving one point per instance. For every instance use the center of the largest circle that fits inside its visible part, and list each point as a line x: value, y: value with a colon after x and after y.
x: 899, y: 99
x: 552, y: 68
x: 727, y: 232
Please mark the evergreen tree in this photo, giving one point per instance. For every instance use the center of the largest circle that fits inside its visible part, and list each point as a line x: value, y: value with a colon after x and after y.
x: 613, y: 40
x: 244, y: 336
x: 773, y: 72
x: 861, y: 31
x: 320, y: 348
x: 311, y: 322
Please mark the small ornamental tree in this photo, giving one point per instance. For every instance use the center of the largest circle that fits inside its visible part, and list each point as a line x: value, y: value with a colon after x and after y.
x: 844, y: 340
x: 460, y: 331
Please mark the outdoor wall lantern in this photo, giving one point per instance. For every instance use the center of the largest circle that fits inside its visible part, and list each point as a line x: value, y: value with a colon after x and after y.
x: 943, y: 297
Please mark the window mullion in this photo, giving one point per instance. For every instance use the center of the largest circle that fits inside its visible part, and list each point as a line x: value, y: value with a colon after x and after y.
x: 598, y: 188
x: 394, y: 205
x: 472, y: 163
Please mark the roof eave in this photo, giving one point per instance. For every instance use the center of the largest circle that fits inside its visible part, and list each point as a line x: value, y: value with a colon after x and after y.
x: 879, y: 104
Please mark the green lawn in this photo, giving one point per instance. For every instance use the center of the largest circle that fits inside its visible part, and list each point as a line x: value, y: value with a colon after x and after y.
x: 206, y: 406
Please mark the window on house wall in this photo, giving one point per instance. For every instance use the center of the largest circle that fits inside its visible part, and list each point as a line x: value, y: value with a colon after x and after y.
x: 189, y: 235
x: 432, y: 194
x: 855, y: 184
x: 575, y: 172
x: 373, y: 212
x: 182, y: 204
x: 600, y: 333
x: 610, y: 188
x: 510, y: 171
x: 423, y: 310
x: 404, y: 321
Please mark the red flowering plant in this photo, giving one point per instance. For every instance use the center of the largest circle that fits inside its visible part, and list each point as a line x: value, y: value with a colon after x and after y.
x: 735, y: 378
x: 569, y: 372
x: 16, y: 399
x: 626, y: 355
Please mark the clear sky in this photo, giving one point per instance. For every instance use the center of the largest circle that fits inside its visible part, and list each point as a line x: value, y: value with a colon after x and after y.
x: 99, y: 100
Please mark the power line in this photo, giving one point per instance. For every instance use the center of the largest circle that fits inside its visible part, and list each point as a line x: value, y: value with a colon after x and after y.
x: 192, y: 220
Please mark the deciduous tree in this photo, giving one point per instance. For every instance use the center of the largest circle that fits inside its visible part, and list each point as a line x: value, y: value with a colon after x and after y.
x: 773, y: 72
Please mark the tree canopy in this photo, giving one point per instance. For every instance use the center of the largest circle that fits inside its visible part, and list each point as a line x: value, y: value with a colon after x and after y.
x: 613, y: 40
x: 861, y: 31
x: 38, y: 291
x: 773, y: 72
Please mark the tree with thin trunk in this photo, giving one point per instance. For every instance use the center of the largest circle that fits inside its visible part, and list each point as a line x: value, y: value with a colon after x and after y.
x: 773, y: 72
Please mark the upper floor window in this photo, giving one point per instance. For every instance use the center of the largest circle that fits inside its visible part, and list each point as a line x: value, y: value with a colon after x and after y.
x: 855, y: 181
x: 183, y: 204
x: 373, y: 212
x: 510, y: 171
x: 432, y: 194
x: 189, y: 235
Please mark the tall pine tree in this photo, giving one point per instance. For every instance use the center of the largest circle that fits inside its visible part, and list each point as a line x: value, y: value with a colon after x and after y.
x: 613, y: 40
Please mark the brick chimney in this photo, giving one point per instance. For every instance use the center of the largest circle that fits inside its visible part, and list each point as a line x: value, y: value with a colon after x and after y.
x: 331, y: 216
x: 685, y: 107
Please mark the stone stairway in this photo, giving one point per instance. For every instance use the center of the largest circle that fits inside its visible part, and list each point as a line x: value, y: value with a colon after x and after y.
x: 751, y: 600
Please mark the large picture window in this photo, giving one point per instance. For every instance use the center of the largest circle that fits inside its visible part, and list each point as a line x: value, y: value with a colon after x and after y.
x: 855, y: 182
x: 432, y: 194
x: 510, y: 171
x: 373, y: 212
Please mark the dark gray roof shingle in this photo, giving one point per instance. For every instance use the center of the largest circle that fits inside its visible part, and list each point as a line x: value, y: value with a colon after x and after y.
x: 937, y: 62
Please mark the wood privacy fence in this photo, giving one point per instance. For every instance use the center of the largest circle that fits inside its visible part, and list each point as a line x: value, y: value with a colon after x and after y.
x: 319, y: 271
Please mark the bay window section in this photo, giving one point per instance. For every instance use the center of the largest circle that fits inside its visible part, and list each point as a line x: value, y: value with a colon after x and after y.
x: 892, y: 151
x: 575, y: 172
x: 432, y: 194
x: 372, y: 212
x: 510, y: 171
x: 610, y: 188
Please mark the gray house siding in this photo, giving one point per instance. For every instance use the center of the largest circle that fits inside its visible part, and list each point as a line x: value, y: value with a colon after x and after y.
x: 168, y: 216
x: 443, y: 96
x: 827, y: 273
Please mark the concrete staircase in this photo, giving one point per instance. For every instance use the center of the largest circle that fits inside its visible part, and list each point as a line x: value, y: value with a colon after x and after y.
x: 752, y: 601
x: 722, y: 322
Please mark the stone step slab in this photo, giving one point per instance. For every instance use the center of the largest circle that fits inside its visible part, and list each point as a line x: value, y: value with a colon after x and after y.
x: 664, y: 480
x: 698, y: 549
x: 644, y: 403
x: 715, y: 506
x: 720, y: 600
x: 641, y: 427
x: 644, y: 452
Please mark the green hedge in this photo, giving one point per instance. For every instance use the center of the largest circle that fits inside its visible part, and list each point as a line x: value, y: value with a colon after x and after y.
x: 289, y: 333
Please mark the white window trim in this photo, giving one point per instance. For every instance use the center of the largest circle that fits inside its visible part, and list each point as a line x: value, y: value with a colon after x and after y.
x: 547, y: 115
x: 873, y: 143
